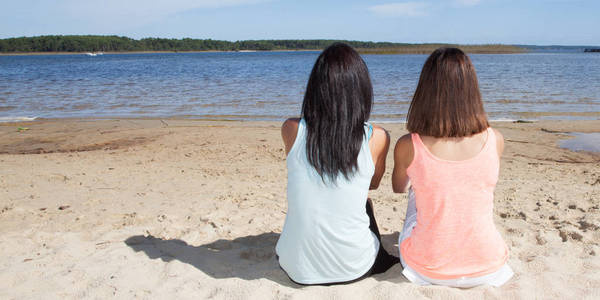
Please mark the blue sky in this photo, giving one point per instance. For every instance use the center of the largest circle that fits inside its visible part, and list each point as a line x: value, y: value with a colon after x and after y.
x: 541, y: 22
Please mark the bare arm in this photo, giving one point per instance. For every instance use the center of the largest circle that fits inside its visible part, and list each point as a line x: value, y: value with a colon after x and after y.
x: 403, y: 156
x: 379, y: 145
x: 289, y: 130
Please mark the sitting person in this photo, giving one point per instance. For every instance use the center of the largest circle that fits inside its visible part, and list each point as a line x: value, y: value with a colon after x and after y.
x: 333, y: 158
x: 451, y: 161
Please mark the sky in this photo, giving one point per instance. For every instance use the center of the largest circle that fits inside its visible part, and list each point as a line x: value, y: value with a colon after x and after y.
x: 533, y: 22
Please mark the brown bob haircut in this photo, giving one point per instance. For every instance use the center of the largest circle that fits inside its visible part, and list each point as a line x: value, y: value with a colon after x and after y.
x: 447, y: 102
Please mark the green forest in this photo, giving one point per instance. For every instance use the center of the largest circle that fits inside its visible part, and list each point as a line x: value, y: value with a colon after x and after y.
x: 97, y: 43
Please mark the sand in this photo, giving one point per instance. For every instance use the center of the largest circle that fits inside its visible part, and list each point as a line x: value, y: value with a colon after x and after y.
x: 192, y: 209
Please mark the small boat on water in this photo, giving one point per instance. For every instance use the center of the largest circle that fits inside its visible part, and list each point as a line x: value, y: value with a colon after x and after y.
x: 94, y: 53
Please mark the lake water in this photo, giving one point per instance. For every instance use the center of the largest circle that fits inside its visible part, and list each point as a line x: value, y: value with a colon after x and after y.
x: 582, y: 142
x: 270, y: 85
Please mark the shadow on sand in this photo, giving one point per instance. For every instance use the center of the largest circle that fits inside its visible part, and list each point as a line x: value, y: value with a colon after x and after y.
x: 249, y: 257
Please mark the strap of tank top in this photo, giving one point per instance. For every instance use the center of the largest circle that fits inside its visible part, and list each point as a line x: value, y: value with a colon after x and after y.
x: 416, y: 141
x: 370, y: 131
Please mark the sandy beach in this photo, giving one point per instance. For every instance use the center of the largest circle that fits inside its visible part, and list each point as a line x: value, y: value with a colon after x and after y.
x: 191, y: 209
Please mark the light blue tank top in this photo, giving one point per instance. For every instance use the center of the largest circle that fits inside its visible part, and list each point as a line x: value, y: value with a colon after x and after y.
x: 326, y: 236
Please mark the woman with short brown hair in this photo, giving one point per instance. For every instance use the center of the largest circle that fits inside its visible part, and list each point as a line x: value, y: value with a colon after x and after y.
x: 450, y: 160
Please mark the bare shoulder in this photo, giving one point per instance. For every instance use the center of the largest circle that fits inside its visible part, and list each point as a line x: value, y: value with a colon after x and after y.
x: 404, y: 152
x: 379, y: 141
x: 380, y: 134
x: 290, y: 124
x: 289, y: 130
x: 404, y: 143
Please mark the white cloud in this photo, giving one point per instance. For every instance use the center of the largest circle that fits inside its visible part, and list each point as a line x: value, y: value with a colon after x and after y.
x: 468, y: 2
x: 410, y: 9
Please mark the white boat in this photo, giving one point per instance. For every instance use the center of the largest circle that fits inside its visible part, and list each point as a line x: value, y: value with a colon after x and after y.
x: 16, y: 119
x: 91, y: 54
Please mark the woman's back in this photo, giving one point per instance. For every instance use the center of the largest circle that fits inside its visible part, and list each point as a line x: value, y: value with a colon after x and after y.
x: 326, y: 235
x: 451, y: 159
x: 330, y: 234
x: 455, y: 149
x: 453, y: 181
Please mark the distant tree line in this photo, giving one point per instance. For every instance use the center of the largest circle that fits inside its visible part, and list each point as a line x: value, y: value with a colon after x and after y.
x: 95, y: 43
x: 100, y: 43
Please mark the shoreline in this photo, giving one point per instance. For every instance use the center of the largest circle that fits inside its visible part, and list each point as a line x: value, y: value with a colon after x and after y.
x: 525, y: 117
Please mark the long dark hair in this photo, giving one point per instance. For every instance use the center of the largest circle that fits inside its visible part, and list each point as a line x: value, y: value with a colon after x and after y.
x: 337, y: 103
x: 447, y: 101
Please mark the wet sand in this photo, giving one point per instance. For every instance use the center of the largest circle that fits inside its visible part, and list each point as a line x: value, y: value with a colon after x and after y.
x: 193, y: 209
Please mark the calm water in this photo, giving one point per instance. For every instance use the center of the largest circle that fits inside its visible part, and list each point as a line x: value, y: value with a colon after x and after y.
x: 582, y: 142
x: 270, y: 85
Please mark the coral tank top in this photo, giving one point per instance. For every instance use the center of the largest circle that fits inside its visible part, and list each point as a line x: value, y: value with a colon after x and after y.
x: 455, y: 235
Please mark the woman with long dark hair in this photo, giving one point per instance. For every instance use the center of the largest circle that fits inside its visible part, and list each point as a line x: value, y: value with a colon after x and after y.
x: 333, y: 158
